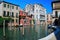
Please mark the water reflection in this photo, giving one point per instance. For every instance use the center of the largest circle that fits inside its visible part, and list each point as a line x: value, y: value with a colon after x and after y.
x: 26, y: 32
x: 30, y: 33
x: 1, y: 33
x: 41, y: 31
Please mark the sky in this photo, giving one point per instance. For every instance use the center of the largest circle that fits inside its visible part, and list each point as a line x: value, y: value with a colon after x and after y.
x: 22, y: 3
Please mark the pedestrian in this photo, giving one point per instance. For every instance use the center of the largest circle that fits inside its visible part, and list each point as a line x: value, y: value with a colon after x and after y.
x: 59, y: 21
x: 57, y: 32
x: 55, y: 22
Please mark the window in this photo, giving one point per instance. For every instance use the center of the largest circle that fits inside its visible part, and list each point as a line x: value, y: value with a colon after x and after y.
x: 12, y: 7
x: 16, y: 20
x: 56, y: 14
x: 16, y: 8
x: 42, y: 16
x: 37, y: 17
x: 17, y: 15
x: 25, y: 20
x: 4, y: 5
x: 36, y: 10
x: 40, y: 11
x: 7, y: 6
x: 12, y: 14
x: 4, y: 13
x: 59, y: 14
x: 8, y: 13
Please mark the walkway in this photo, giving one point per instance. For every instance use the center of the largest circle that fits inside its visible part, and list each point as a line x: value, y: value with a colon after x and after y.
x: 53, y: 36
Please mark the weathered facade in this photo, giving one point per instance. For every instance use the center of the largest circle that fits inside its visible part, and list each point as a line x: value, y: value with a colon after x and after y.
x: 10, y: 10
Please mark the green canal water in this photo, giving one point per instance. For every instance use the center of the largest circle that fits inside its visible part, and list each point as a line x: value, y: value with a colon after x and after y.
x: 29, y: 33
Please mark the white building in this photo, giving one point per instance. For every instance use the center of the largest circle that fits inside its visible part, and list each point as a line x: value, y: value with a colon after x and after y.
x: 38, y: 11
x: 40, y: 17
x: 10, y: 10
x: 29, y: 8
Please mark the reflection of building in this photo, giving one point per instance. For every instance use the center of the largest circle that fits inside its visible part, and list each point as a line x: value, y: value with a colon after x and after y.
x: 10, y: 10
x: 38, y: 11
x: 49, y: 18
x: 56, y: 9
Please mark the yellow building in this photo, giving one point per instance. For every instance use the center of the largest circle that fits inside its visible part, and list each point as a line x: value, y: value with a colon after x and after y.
x: 10, y: 10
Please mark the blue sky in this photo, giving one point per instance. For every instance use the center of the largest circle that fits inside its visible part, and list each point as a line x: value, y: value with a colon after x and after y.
x: 22, y: 3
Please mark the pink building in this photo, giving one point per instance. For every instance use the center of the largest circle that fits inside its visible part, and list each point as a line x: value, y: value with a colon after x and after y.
x: 25, y: 19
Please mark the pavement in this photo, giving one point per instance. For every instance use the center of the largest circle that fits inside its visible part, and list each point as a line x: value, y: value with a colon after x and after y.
x: 53, y: 36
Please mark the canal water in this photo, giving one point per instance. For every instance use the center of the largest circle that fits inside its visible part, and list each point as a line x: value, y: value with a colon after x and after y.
x: 24, y: 33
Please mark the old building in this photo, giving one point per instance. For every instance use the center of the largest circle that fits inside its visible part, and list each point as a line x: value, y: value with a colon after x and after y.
x: 56, y: 9
x: 10, y: 10
x: 38, y: 12
x: 24, y: 18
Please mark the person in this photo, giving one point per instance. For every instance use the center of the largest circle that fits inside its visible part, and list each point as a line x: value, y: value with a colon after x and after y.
x: 57, y: 32
x: 59, y: 21
x: 55, y: 22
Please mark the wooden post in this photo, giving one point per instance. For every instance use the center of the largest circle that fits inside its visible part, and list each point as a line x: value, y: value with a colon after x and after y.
x: 4, y: 28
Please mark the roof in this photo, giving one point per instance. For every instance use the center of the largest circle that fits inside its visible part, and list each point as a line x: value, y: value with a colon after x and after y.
x: 56, y: 2
x: 8, y: 3
x: 39, y: 4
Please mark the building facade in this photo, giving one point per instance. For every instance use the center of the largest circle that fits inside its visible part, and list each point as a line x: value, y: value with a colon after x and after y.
x: 10, y: 10
x: 56, y: 9
x: 38, y: 12
x: 24, y: 18
x: 29, y: 8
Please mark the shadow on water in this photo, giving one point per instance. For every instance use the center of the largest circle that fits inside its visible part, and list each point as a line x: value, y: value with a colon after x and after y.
x: 1, y: 33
